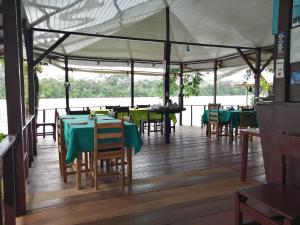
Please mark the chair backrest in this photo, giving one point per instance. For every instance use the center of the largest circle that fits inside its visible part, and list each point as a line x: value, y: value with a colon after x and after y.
x: 121, y: 109
x: 126, y: 118
x: 213, y: 112
x: 60, y: 135
x: 289, y: 147
x: 142, y: 106
x: 247, y: 117
x: 80, y: 112
x: 111, y: 106
x: 212, y: 106
x: 108, y: 136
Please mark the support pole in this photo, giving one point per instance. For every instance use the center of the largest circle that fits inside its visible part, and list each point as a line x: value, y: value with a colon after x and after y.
x: 28, y: 33
x: 257, y: 74
x: 180, y: 102
x: 215, y: 81
x: 67, y: 84
x: 167, y: 51
x: 15, y: 101
x: 132, y: 83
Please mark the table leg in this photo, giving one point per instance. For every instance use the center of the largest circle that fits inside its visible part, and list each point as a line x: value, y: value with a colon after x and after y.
x: 78, y: 170
x: 167, y: 127
x: 230, y: 133
x: 129, y: 163
x: 244, y: 158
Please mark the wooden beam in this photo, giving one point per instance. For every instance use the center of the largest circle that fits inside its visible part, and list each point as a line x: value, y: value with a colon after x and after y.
x: 246, y: 60
x: 49, y: 50
x: 257, y: 73
x: 267, y: 63
x: 142, y: 39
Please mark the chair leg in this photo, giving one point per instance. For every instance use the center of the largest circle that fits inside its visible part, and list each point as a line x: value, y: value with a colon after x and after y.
x: 78, y: 170
x: 148, y: 128
x: 123, y: 168
x: 54, y: 132
x: 96, y: 171
x: 218, y: 132
x: 60, y: 164
x: 238, y: 215
x: 64, y: 169
x: 86, y: 161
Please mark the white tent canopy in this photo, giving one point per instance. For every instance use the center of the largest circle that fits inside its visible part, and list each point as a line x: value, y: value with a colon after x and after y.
x: 245, y: 23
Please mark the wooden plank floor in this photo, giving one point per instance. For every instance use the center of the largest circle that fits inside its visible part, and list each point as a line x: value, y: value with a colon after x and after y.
x: 190, y: 181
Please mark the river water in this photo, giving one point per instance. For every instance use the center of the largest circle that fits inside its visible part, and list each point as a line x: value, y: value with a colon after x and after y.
x: 92, y: 102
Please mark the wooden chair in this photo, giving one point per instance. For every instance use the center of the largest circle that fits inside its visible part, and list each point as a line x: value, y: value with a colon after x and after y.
x: 121, y: 111
x: 247, y: 118
x: 213, y: 126
x: 80, y: 112
x: 105, y: 149
x: 52, y: 125
x: 70, y: 169
x: 62, y: 151
x: 282, y: 199
x: 154, y: 125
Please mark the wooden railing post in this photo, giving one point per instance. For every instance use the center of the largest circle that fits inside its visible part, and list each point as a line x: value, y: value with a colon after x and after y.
x: 191, y: 115
x: 44, y: 120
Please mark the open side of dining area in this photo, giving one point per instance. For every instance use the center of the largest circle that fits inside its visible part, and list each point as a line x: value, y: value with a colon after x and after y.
x: 138, y: 163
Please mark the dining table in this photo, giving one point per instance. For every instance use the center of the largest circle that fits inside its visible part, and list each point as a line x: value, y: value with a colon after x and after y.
x: 79, y: 137
x: 230, y: 117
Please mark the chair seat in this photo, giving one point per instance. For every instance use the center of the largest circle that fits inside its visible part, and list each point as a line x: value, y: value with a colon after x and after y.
x: 282, y: 199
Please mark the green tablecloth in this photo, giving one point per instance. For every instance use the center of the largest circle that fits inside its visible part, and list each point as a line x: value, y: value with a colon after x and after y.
x: 80, y: 137
x: 231, y: 117
x: 138, y: 115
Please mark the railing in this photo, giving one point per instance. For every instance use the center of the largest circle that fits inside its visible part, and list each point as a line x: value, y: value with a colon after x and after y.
x: 192, y: 116
x: 7, y: 181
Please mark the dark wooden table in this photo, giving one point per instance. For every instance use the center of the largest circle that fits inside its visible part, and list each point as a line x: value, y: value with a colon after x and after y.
x: 167, y: 123
x: 246, y: 133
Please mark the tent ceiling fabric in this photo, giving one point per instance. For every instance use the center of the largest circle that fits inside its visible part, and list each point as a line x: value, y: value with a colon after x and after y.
x: 227, y: 22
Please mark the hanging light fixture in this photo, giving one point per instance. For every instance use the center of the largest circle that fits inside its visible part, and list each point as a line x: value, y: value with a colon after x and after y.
x: 188, y: 48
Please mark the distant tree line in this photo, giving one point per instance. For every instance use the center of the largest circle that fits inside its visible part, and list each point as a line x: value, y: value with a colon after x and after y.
x: 119, y: 86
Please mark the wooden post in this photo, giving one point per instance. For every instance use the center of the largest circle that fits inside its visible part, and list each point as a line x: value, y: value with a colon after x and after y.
x: 257, y: 74
x: 167, y: 55
x: 215, y: 80
x: 132, y: 83
x: 15, y: 98
x: 67, y: 85
x: 28, y: 33
x: 180, y: 102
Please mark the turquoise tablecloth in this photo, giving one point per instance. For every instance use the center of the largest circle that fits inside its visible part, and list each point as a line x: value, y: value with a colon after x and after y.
x: 80, y: 137
x: 231, y: 117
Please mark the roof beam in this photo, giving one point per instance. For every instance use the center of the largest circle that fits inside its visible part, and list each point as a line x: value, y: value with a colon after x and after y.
x: 247, y: 60
x: 49, y: 50
x: 142, y: 39
x: 267, y: 63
